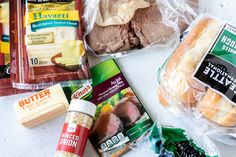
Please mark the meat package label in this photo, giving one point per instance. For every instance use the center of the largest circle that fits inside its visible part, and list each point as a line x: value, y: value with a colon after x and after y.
x: 120, y: 117
x: 108, y: 88
x: 217, y: 69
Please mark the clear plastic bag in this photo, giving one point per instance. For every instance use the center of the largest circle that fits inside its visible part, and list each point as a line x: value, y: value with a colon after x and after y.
x: 199, y: 78
x: 166, y: 141
x: 118, y: 27
x: 47, y: 45
x: 5, y: 80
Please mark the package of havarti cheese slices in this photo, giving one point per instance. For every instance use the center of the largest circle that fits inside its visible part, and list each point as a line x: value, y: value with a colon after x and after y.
x: 46, y: 43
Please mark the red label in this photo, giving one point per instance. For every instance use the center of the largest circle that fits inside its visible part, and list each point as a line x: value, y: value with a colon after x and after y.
x: 73, y: 139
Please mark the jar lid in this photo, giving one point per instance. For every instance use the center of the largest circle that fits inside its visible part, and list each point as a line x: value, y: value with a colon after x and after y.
x: 82, y: 106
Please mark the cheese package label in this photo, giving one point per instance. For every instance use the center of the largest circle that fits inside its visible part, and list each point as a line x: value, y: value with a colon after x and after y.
x: 41, y: 106
x: 218, y: 68
x: 55, y: 29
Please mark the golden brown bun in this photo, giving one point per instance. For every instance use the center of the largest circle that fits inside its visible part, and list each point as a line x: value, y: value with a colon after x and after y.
x: 187, y: 97
x: 229, y: 119
x: 162, y: 99
x: 218, y: 109
x: 178, y: 85
x: 208, y: 104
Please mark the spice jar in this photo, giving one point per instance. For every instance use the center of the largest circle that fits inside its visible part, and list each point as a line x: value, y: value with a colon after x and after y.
x: 76, y: 129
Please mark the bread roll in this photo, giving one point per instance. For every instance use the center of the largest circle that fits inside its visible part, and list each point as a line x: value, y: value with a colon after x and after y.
x: 177, y: 78
x: 177, y: 84
x: 218, y: 109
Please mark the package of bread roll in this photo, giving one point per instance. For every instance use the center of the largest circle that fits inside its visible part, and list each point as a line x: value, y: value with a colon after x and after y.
x: 116, y: 27
x: 200, y: 77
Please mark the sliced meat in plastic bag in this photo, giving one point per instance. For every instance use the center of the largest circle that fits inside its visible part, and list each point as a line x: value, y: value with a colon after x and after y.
x: 116, y: 28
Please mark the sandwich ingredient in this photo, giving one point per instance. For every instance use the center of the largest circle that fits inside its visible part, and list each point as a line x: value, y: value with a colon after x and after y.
x: 201, y: 73
x: 51, y: 49
x: 144, y: 23
x: 41, y: 107
x: 76, y: 129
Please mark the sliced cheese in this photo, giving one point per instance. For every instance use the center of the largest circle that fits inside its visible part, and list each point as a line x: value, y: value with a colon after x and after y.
x: 68, y: 61
x: 60, y: 34
x: 4, y: 12
x: 71, y: 53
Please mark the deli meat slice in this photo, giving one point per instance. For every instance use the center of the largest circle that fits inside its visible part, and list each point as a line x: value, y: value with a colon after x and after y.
x: 112, y: 38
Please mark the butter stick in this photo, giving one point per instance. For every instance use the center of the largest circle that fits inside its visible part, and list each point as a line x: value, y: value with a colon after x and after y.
x: 41, y: 107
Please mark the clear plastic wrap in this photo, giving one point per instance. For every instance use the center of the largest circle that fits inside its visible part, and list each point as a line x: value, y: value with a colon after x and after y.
x: 167, y: 141
x: 199, y: 78
x: 5, y: 80
x: 46, y: 43
x: 118, y: 27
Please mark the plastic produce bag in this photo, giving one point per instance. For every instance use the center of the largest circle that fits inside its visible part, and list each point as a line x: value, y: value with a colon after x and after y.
x: 166, y: 141
x: 47, y: 45
x: 199, y: 78
x: 116, y: 27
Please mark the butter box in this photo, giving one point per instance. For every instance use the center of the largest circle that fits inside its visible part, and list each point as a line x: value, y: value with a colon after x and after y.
x: 42, y: 106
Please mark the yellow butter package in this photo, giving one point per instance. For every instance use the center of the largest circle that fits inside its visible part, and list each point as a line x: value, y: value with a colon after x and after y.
x: 41, y: 107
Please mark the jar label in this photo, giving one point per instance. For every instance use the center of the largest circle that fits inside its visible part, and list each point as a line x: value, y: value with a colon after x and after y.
x: 73, y: 139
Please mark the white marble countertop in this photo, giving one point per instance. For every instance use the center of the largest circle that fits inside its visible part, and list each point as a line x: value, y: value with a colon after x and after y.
x: 140, y: 70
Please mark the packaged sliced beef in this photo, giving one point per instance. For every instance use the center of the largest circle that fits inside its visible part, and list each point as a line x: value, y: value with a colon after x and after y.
x: 200, y: 77
x: 114, y: 27
x: 46, y: 43
x: 5, y: 81
x: 120, y: 117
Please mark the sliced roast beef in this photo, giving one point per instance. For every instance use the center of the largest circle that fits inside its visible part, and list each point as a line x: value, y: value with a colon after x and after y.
x: 106, y: 126
x: 128, y: 110
x: 148, y: 26
x: 111, y: 39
